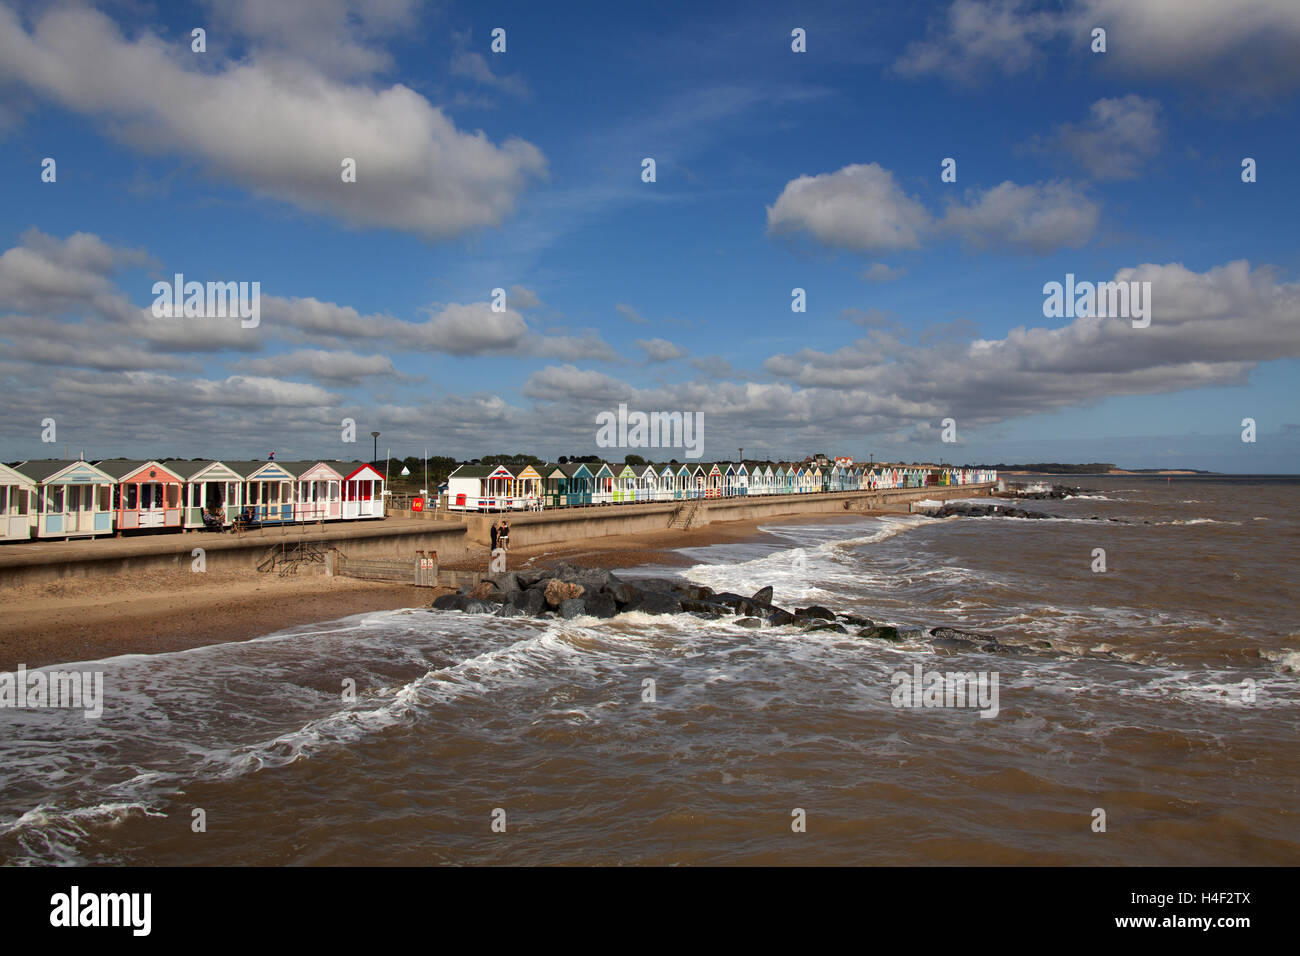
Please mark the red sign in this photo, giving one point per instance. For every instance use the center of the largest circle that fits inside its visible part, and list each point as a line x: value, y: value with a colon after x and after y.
x: 417, y: 504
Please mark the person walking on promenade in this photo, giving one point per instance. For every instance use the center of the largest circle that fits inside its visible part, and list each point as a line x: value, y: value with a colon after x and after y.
x: 505, y: 535
x: 495, y: 535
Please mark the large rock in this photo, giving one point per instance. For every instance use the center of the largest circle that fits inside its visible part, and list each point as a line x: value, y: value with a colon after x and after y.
x: 857, y: 621
x: 483, y: 590
x: 510, y: 610
x: 528, y: 577
x: 880, y: 633
x: 557, y: 592
x: 506, y: 581
x: 449, y: 602
x: 763, y: 595
x: 748, y: 622
x: 695, y: 592
x: 530, y: 602
x: 573, y: 607
x: 656, y: 602
x: 828, y: 626
x: 600, y: 604
x: 815, y: 611
x: 706, y: 608
x: 627, y: 595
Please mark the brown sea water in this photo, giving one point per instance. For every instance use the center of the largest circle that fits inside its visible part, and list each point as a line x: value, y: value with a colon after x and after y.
x: 1168, y: 698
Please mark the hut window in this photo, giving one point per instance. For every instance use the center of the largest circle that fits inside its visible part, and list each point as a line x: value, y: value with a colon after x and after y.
x: 4, y: 499
x: 334, y: 491
x: 173, y: 495
x: 56, y: 500
x: 22, y: 502
x: 132, y: 495
x: 104, y: 492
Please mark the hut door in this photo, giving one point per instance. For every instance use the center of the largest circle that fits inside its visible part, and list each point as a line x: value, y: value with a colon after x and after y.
x: 78, y: 506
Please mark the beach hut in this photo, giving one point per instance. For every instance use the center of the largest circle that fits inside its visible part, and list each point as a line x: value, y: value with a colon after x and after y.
x: 268, y: 491
x: 319, y: 490
x: 528, y: 489
x: 466, y: 488
x: 604, y: 485
x: 667, y: 487
x: 581, y: 490
x: 146, y: 495
x: 74, y: 498
x: 685, y: 485
x: 211, y: 486
x: 624, y: 483
x: 647, y: 482
x: 552, y: 480
x: 363, y: 493
x: 17, y: 505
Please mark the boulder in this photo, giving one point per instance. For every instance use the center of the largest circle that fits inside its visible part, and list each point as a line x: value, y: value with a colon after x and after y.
x: 837, y: 628
x: 557, y: 592
x: 449, y: 602
x: 573, y: 607
x: 748, y: 622
x: 511, y: 610
x: 763, y: 595
x: 506, y: 581
x: 626, y: 595
x: 600, y: 604
x: 857, y: 621
x: 530, y: 602
x: 780, y: 617
x: 880, y: 633
x: 483, y: 590
x: 706, y: 608
x: 731, y: 600
x: 528, y: 577
x: 815, y: 611
x: 696, y: 592
x: 655, y: 602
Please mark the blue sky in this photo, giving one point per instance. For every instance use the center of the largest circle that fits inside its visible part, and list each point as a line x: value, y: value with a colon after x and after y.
x: 775, y: 170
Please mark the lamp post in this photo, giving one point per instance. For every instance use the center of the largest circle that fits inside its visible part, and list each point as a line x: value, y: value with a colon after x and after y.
x: 375, y: 436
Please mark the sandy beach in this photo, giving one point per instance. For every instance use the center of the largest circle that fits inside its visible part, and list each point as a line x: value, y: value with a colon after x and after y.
x: 87, y: 619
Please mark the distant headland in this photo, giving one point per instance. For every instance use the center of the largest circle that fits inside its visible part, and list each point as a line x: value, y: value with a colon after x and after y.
x: 1090, y: 468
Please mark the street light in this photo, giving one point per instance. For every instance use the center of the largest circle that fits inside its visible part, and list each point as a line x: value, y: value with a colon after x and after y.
x: 375, y: 436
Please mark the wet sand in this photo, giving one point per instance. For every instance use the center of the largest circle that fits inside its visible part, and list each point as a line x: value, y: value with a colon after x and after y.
x: 91, y: 618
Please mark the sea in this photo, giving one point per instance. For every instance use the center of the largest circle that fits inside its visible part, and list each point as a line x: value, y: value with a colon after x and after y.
x: 1148, y: 703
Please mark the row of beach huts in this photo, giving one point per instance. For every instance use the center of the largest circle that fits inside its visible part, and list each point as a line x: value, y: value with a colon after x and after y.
x: 55, y: 498
x: 578, y: 484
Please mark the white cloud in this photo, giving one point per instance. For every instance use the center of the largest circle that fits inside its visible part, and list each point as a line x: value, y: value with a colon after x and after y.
x: 1206, y: 329
x: 857, y: 207
x: 1233, y: 45
x: 277, y: 127
x: 1038, y: 218
x: 860, y: 207
x: 1118, y: 137
x: 660, y: 350
x: 631, y: 314
x: 880, y: 272
x: 340, y: 367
